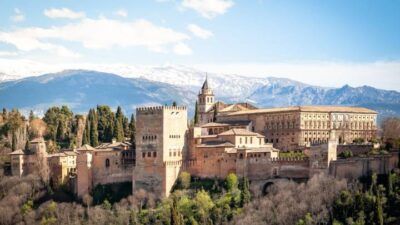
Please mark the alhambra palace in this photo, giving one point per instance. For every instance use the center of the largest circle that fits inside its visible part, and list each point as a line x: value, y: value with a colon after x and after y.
x: 228, y: 138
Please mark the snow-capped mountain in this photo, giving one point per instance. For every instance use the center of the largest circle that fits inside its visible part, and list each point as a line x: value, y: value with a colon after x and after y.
x: 5, y: 77
x: 82, y: 89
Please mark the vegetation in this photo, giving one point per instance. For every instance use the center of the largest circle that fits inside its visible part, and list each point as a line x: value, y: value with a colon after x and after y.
x: 346, y: 154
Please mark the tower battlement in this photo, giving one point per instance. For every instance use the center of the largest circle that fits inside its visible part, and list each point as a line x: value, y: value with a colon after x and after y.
x: 154, y: 109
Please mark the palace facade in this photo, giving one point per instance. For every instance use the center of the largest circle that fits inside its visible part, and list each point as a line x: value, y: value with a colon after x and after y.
x: 290, y: 128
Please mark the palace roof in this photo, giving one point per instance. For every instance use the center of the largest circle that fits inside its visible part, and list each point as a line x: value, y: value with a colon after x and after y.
x: 238, y: 131
x: 216, y: 143
x: 86, y: 148
x: 338, y: 109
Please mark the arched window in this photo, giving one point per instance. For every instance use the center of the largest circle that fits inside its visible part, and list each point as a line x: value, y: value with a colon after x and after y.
x: 107, y: 163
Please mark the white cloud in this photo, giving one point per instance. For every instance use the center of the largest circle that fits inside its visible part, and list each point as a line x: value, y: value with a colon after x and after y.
x: 63, y: 13
x: 199, y: 32
x: 7, y: 53
x: 100, y: 33
x: 18, y: 16
x: 182, y: 49
x: 208, y: 8
x: 121, y: 13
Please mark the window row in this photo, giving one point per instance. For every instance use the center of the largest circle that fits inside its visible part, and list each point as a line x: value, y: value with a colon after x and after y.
x: 149, y: 154
x: 174, y: 136
x: 149, y: 137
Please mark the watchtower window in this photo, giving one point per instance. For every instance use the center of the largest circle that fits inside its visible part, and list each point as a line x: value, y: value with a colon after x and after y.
x: 149, y: 154
x: 154, y: 154
x: 107, y: 163
x: 143, y: 155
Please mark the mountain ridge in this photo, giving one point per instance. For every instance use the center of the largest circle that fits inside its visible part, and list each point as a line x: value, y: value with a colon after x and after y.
x: 82, y: 89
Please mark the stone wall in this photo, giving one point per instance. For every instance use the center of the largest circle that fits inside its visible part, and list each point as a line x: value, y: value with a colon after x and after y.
x: 356, y: 167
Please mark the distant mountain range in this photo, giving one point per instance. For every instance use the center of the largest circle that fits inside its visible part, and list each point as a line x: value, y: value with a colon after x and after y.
x: 82, y: 89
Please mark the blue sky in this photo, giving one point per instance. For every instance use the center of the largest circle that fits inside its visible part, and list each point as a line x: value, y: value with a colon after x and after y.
x: 295, y: 39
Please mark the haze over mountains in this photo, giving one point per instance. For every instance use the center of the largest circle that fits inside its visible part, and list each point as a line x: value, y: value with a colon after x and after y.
x: 83, y: 89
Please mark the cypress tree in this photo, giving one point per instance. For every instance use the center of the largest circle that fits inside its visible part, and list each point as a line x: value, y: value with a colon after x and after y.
x: 176, y: 217
x: 196, y: 114
x: 94, y: 135
x: 174, y: 103
x: 118, y: 130
x: 119, y: 115
x: 379, y: 209
x: 215, y: 113
x: 27, y: 146
x: 4, y: 113
x: 31, y: 116
x: 86, y: 133
x: 125, y: 125
x: 14, y: 141
x: 60, y: 132
x: 132, y: 129
x: 245, y: 192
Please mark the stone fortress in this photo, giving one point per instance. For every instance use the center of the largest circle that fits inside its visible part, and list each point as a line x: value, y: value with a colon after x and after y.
x: 227, y: 138
x: 242, y: 139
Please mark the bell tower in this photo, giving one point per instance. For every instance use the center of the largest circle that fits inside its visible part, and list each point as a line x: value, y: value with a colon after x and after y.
x: 205, y: 101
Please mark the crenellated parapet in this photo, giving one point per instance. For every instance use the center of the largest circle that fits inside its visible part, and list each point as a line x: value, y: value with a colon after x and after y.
x: 154, y: 109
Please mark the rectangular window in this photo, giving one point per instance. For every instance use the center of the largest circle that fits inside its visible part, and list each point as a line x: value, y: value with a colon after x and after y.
x: 149, y: 154
x: 143, y: 155
x: 154, y: 154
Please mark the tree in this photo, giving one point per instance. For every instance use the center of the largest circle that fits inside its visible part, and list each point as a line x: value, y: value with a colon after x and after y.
x: 118, y: 130
x: 60, y: 132
x: 184, y: 180
x: 203, y: 204
x: 245, y: 195
x: 37, y: 128
x: 132, y: 129
x: 391, y: 131
x: 196, y: 114
x: 176, y: 217
x: 31, y: 116
x: 379, y: 209
x: 86, y: 133
x: 231, y: 182
x: 94, y: 135
x: 215, y: 113
x: 105, y: 123
x: 174, y: 103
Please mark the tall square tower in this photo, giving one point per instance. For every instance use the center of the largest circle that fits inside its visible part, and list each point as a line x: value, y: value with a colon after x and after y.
x: 160, y: 147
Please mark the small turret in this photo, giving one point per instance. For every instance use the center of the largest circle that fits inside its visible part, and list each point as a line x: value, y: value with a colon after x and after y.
x: 206, y: 97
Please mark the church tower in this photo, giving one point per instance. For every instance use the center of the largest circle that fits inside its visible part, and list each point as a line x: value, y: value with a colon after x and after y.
x: 206, y: 102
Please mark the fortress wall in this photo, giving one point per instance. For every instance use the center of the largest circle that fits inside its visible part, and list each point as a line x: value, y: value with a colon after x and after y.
x: 354, y: 168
